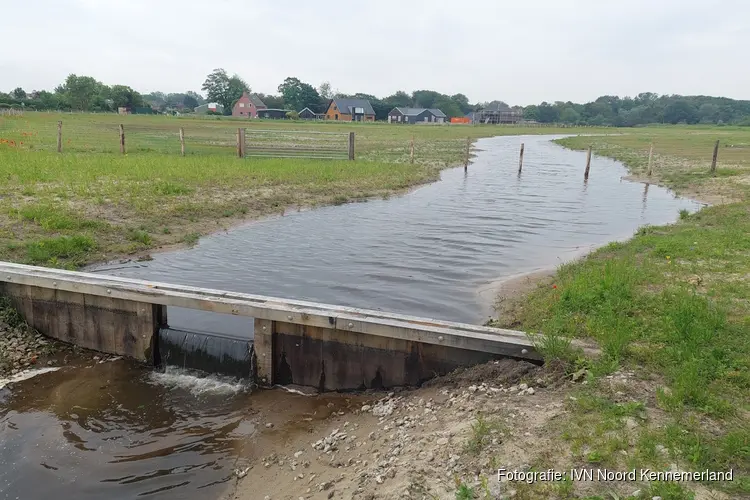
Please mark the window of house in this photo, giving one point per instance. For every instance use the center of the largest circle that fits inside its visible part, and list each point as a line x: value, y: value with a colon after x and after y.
x: 406, y: 118
x: 336, y: 116
x: 399, y: 117
x: 242, y: 104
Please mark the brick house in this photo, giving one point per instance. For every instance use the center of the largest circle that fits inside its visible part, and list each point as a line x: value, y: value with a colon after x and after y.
x: 347, y: 110
x: 248, y: 106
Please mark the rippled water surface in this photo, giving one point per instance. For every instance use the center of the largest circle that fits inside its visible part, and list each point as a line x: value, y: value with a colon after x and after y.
x: 429, y: 252
x: 121, y: 431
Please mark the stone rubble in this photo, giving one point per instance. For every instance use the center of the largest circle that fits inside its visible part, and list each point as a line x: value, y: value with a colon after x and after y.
x: 409, y: 443
x: 21, y: 348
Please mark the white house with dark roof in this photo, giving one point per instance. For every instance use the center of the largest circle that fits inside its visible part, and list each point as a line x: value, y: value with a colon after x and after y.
x: 416, y: 115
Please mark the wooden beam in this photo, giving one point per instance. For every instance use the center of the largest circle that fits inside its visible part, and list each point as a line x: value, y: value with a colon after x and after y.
x: 464, y: 336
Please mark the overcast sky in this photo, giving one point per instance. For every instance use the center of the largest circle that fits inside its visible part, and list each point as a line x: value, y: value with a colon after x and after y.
x: 518, y: 51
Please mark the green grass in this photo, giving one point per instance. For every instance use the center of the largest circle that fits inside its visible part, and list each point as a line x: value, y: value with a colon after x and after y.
x: 483, y: 430
x: 92, y: 191
x: 671, y: 305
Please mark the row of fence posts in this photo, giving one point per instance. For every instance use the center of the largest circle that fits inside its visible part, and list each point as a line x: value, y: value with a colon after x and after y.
x: 649, y: 169
x: 240, y: 141
x: 241, y: 150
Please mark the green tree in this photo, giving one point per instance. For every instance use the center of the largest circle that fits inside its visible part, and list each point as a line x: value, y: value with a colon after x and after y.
x: 224, y: 89
x: 398, y: 100
x: 425, y: 98
x: 680, y: 111
x: 448, y: 106
x: 272, y: 101
x: 531, y: 112
x: 299, y: 95
x: 463, y: 103
x: 569, y: 115
x: 190, y: 102
x: 82, y: 93
x: 123, y: 96
x: 18, y: 93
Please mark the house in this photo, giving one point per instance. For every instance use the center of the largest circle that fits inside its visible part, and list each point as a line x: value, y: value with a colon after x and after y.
x: 273, y: 114
x: 309, y: 114
x: 214, y: 107
x: 416, y: 115
x: 248, y: 106
x: 348, y: 110
x: 497, y: 112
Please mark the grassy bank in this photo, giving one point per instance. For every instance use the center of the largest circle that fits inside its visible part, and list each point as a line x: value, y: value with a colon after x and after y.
x: 670, y: 310
x: 91, y: 203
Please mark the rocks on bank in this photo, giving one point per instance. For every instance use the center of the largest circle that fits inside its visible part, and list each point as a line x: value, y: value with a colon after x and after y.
x: 21, y: 347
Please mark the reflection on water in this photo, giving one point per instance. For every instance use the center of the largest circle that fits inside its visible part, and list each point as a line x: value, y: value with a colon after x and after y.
x: 89, y: 432
x: 118, y: 430
x: 426, y: 253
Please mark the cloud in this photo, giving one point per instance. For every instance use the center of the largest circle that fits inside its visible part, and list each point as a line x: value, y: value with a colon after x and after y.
x: 519, y: 52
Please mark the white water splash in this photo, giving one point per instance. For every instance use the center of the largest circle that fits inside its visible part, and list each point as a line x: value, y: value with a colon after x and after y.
x: 197, y: 384
x: 25, y: 375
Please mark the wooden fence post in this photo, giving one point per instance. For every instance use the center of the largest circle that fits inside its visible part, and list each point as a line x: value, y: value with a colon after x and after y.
x: 713, y: 160
x: 411, y: 153
x: 468, y: 152
x: 520, y: 160
x: 59, y: 136
x: 650, y: 159
x: 182, y: 141
x: 240, y: 142
x: 122, y: 139
x: 351, y: 146
x: 588, y: 165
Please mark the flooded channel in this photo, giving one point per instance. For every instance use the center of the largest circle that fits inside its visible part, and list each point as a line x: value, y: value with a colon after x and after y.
x: 427, y: 253
x: 120, y: 431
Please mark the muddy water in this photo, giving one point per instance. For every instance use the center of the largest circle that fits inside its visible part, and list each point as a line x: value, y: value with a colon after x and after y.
x: 427, y: 253
x: 115, y: 430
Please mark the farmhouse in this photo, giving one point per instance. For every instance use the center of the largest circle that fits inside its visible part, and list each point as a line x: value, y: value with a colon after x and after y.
x: 214, y: 107
x: 309, y: 114
x: 248, y: 106
x: 347, y: 110
x: 416, y: 115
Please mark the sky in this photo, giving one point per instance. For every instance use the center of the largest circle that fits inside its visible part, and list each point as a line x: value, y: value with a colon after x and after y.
x: 518, y: 51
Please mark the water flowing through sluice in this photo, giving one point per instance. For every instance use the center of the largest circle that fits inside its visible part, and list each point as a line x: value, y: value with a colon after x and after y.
x: 207, y: 352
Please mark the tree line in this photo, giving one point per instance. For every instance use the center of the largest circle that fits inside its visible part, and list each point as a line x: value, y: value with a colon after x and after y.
x: 85, y: 93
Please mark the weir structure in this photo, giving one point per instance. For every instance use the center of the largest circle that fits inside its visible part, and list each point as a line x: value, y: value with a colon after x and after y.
x: 295, y: 342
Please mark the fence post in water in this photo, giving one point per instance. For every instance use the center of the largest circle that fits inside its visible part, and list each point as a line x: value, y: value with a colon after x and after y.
x: 351, y: 146
x: 713, y: 160
x: 122, y: 139
x: 520, y: 160
x: 650, y: 159
x: 468, y: 151
x: 59, y: 136
x: 411, y: 152
x: 182, y: 141
x: 588, y: 165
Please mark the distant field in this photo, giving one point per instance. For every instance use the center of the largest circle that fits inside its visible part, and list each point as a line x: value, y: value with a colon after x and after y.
x: 91, y: 203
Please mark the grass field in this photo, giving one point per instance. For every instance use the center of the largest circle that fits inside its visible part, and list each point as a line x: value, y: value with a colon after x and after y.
x: 91, y: 203
x: 671, y: 306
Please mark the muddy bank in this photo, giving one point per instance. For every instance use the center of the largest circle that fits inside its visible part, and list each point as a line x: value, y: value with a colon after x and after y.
x: 414, y: 443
